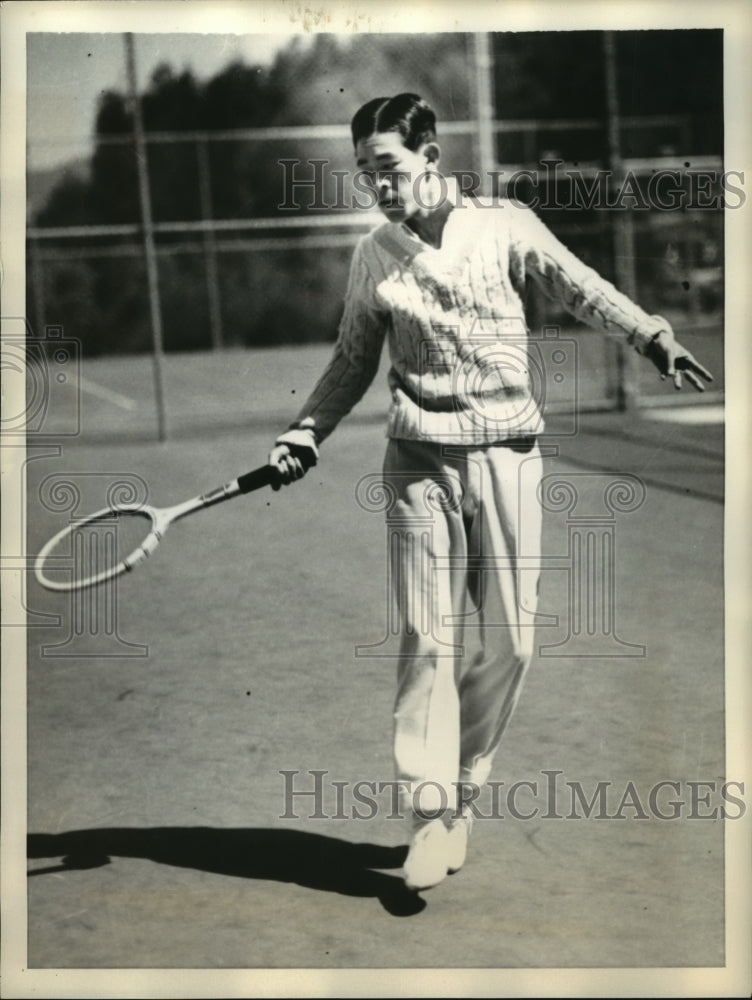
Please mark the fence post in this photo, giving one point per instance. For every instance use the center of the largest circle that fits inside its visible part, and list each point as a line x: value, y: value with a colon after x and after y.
x: 210, y: 249
x: 623, y: 232
x: 37, y: 284
x: 484, y: 109
x: 150, y: 253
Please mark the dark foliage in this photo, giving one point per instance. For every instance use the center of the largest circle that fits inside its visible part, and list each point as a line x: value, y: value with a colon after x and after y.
x: 295, y: 295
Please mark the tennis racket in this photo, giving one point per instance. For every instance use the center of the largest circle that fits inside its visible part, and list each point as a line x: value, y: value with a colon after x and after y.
x: 94, y: 560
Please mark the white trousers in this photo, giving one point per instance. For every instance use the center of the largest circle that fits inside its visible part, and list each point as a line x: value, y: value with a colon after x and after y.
x: 460, y: 521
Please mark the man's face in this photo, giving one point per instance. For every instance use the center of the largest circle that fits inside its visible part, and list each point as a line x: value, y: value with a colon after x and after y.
x: 396, y: 174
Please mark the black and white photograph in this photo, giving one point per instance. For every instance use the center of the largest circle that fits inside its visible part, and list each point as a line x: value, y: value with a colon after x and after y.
x: 375, y: 471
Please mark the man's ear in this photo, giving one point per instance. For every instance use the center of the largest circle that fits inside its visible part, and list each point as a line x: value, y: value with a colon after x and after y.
x: 432, y: 153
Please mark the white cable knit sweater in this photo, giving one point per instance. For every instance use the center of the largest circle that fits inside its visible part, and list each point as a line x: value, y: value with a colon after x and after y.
x: 455, y: 323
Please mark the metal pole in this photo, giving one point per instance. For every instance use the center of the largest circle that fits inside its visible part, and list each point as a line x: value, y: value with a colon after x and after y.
x: 484, y: 108
x: 150, y: 253
x: 623, y: 233
x: 37, y: 284
x: 37, y: 274
x: 210, y: 248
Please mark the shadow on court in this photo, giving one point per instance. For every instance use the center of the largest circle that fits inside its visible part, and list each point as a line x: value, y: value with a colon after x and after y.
x: 308, y: 859
x: 253, y: 619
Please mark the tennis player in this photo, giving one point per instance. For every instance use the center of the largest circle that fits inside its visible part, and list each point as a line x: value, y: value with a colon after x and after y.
x: 443, y: 281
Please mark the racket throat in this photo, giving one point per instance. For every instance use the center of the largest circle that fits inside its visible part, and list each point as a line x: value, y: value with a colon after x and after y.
x: 218, y: 495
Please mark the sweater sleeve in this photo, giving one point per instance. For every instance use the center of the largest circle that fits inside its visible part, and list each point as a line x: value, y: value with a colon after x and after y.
x: 564, y: 277
x: 356, y: 356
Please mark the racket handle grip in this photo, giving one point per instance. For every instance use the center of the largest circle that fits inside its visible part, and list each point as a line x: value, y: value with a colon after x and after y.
x: 265, y: 475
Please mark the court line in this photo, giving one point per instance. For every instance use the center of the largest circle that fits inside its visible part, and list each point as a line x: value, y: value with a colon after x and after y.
x: 685, y: 491
x: 108, y: 395
x: 713, y: 414
x: 645, y: 439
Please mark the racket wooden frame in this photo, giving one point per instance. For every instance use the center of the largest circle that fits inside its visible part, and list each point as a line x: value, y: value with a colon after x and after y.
x: 161, y: 518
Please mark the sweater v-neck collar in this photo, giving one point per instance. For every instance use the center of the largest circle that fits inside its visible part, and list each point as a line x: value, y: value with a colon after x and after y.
x: 459, y: 234
x: 456, y: 201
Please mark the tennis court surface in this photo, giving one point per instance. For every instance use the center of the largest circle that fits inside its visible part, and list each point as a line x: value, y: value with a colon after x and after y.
x: 170, y: 729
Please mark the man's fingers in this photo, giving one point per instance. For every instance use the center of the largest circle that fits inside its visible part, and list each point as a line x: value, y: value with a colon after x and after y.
x: 694, y: 380
x: 291, y: 468
x: 692, y: 368
x: 686, y: 361
x: 292, y: 464
x: 673, y: 361
x: 689, y: 363
x: 280, y: 458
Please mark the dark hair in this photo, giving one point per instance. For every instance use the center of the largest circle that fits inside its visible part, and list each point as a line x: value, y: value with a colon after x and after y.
x: 407, y: 114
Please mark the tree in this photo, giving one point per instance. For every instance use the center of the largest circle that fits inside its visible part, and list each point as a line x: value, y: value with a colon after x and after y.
x: 288, y: 296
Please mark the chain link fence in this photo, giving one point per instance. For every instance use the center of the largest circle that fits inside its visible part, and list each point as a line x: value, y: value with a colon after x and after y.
x: 254, y: 214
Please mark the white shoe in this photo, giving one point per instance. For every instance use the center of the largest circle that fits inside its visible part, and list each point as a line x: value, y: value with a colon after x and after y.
x: 426, y: 862
x: 458, y: 835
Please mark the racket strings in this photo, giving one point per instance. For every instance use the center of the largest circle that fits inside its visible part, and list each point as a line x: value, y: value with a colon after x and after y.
x: 70, y: 562
x: 96, y: 550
